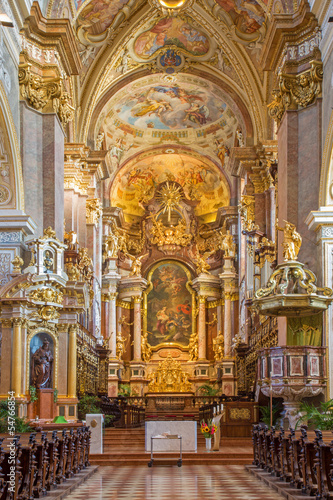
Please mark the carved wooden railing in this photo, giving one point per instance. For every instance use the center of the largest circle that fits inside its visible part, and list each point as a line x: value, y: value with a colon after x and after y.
x: 32, y: 465
x: 302, y: 458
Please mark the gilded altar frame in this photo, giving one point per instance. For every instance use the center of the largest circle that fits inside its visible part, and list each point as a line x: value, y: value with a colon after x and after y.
x: 145, y: 302
x: 55, y: 338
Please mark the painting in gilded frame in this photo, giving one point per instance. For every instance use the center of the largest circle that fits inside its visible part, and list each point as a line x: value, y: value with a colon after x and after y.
x: 169, y: 305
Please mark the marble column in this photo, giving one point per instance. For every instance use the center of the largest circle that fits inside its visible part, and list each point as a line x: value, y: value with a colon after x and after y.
x: 113, y: 324
x: 321, y: 222
x: 17, y: 357
x: 227, y: 325
x: 299, y: 152
x: 137, y: 329
x: 71, y: 380
x: 202, y: 348
x: 119, y: 315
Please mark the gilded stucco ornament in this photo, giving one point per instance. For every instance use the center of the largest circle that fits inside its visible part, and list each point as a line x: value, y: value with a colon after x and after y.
x: 246, y: 211
x: 169, y: 239
x: 45, y: 94
x: 292, y: 290
x: 169, y: 377
x: 47, y: 295
x: 17, y: 264
x: 296, y: 90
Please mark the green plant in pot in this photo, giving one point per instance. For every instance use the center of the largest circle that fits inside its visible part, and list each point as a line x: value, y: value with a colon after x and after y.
x: 265, y: 414
x: 124, y: 390
x: 317, y: 418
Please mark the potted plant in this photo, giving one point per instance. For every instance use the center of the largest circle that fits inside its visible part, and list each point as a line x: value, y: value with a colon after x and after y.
x: 265, y: 413
x: 318, y: 418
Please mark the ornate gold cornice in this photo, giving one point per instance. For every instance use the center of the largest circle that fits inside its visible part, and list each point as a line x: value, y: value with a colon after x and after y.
x: 124, y: 305
x: 296, y: 91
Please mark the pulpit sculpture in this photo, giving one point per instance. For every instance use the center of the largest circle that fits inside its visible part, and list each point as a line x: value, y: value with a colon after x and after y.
x: 292, y: 241
x: 42, y: 367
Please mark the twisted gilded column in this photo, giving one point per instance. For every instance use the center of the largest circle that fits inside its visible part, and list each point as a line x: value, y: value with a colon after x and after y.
x: 17, y: 357
x: 137, y: 328
x: 71, y: 380
x: 202, y: 328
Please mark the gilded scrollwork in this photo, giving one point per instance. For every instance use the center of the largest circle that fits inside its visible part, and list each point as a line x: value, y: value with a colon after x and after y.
x: 42, y: 93
x: 246, y: 210
x: 296, y: 90
x: 47, y: 295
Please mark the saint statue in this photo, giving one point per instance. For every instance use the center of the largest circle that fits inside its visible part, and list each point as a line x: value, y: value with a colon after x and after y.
x: 48, y: 262
x: 41, y: 367
x: 292, y: 241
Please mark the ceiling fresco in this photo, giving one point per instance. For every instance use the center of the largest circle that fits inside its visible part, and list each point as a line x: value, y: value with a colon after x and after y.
x: 97, y: 15
x: 247, y: 15
x: 171, y: 31
x: 160, y: 109
x: 169, y: 106
x: 200, y: 179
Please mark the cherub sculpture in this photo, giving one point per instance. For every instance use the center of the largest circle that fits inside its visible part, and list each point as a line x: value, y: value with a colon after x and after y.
x: 136, y: 264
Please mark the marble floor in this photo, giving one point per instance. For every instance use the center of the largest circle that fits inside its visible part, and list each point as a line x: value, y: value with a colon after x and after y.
x: 190, y: 482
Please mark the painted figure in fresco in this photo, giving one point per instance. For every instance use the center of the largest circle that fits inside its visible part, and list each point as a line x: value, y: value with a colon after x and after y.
x: 173, y: 31
x: 100, y: 13
x: 247, y: 15
x: 162, y: 319
x: 41, y: 367
x: 222, y: 151
x: 198, y: 114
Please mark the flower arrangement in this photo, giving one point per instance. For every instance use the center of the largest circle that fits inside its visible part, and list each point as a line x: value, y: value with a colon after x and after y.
x: 208, y: 429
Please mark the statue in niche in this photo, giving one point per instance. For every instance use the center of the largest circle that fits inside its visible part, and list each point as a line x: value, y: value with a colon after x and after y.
x: 48, y: 262
x: 218, y: 347
x: 42, y: 366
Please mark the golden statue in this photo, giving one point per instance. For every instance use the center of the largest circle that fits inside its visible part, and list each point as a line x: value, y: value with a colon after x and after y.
x: 201, y: 262
x: 218, y: 347
x: 193, y: 347
x: 136, y: 264
x: 120, y: 346
x: 292, y: 241
x: 169, y: 377
x: 146, y: 349
x: 17, y: 264
x: 228, y: 245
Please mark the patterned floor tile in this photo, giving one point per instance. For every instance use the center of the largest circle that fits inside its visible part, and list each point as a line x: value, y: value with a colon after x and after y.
x: 195, y: 482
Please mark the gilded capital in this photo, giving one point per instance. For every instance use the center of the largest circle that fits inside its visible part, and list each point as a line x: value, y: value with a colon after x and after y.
x: 296, y: 90
x: 45, y: 94
x: 137, y: 299
x: 6, y: 322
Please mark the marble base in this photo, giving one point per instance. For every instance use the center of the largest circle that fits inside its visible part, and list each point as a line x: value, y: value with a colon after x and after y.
x: 186, y: 429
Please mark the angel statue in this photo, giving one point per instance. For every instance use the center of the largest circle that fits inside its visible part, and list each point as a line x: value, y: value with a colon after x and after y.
x: 201, y: 262
x: 292, y: 241
x: 136, y: 264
